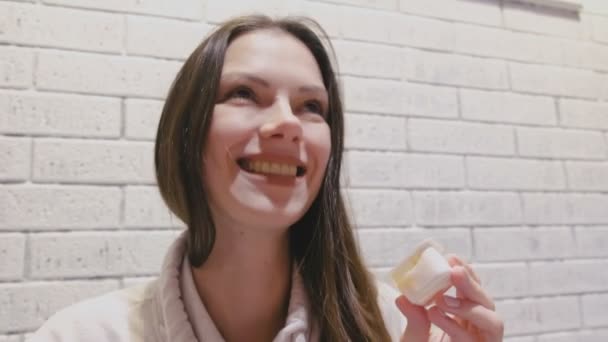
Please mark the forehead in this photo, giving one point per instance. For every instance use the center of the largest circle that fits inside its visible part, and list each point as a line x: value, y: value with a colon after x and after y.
x: 275, y: 55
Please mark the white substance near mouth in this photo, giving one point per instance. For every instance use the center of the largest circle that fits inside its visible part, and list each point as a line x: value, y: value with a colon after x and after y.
x: 423, y: 274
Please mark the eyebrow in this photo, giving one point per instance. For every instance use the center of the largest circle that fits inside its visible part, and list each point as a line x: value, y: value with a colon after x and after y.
x: 264, y: 83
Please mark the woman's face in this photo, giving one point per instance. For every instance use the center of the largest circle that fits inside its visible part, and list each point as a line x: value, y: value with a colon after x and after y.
x: 268, y: 143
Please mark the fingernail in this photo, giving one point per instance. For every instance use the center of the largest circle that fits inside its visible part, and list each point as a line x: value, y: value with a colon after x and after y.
x: 451, y: 301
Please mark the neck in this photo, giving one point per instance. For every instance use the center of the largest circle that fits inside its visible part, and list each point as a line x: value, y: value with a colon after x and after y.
x: 245, y: 283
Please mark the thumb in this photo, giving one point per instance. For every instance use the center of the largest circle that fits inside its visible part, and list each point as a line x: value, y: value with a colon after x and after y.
x: 418, y: 325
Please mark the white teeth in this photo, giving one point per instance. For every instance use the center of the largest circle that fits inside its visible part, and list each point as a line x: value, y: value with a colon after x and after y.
x: 271, y: 168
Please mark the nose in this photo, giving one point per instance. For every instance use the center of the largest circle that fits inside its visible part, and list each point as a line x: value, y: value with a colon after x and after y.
x: 282, y: 123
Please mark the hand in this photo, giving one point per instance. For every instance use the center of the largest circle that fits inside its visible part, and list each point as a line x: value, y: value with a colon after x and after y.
x: 474, y: 319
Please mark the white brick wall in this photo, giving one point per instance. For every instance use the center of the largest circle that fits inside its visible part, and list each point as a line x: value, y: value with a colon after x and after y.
x: 482, y: 124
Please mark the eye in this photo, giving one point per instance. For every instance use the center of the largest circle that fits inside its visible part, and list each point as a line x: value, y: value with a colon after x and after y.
x: 314, y: 106
x: 242, y: 94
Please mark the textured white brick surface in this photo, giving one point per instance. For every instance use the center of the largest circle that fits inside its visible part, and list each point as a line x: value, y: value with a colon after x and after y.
x: 141, y: 118
x: 565, y: 208
x: 59, y: 115
x: 480, y: 123
x: 375, y: 131
x: 88, y: 161
x: 594, y: 310
x: 503, y: 173
x: 591, y: 241
x: 116, y: 75
x: 61, y: 27
x: 584, y: 114
x: 517, y: 243
x: 371, y: 169
x: 561, y: 143
x: 144, y: 208
x: 12, y: 255
x: 80, y: 254
x: 16, y: 67
x: 56, y: 207
x: 456, y: 208
x: 380, y: 251
x: 187, y: 9
x: 458, y: 70
x: 559, y: 81
x: 157, y: 37
x: 26, y: 306
x: 507, y: 107
x: 15, y: 155
x: 460, y: 137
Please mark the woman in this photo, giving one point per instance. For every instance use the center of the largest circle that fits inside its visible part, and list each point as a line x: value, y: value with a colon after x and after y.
x: 248, y: 155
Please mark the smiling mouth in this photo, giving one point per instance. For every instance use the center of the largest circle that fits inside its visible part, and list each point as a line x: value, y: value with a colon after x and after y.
x: 262, y: 167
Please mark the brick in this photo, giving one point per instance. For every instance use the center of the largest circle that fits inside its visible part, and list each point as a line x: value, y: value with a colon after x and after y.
x: 564, y: 208
x: 521, y: 244
x: 59, y: 115
x: 599, y: 25
x: 458, y: 70
x: 390, y: 170
x: 594, y: 310
x: 457, y: 208
x: 89, y: 161
x: 583, y: 114
x: 377, y: 208
x: 106, y: 75
x: 85, y: 254
x: 429, y: 100
x: 12, y: 255
x: 595, y: 6
x: 539, y: 315
x: 596, y: 335
x: 380, y: 4
x: 507, y: 107
x: 509, y: 174
x: 481, y: 12
x: 365, y: 59
x: 560, y: 143
x: 141, y: 118
x: 553, y: 80
x: 350, y: 22
x: 16, y: 66
x: 374, y: 132
x: 520, y: 339
x: 57, y: 207
x: 591, y: 241
x: 425, y: 32
x: 591, y: 176
x: 144, y: 208
x: 591, y: 56
x: 61, y: 27
x: 186, y: 9
x: 15, y: 155
x: 373, y: 95
x: 387, y: 247
x: 568, y: 277
x: 504, y: 280
x: 460, y: 137
x: 543, y: 20
x: 220, y: 10
x: 136, y: 281
x: 157, y: 37
x: 25, y: 306
x: 10, y: 338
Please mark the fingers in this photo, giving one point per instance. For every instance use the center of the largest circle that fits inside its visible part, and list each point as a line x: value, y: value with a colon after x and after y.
x: 454, y: 260
x: 469, y: 288
x: 449, y: 325
x: 418, y: 324
x: 485, y: 320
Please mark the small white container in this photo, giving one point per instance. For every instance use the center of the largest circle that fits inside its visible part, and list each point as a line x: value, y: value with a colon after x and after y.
x: 423, y: 274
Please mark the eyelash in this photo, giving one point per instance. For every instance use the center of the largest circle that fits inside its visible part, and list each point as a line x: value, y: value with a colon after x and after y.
x: 237, y: 93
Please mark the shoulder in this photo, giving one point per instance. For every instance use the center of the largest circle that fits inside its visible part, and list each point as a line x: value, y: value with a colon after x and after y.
x: 111, y: 317
x: 393, y: 318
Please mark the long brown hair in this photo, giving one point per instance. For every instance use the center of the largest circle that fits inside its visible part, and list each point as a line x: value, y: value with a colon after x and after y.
x: 342, y: 292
